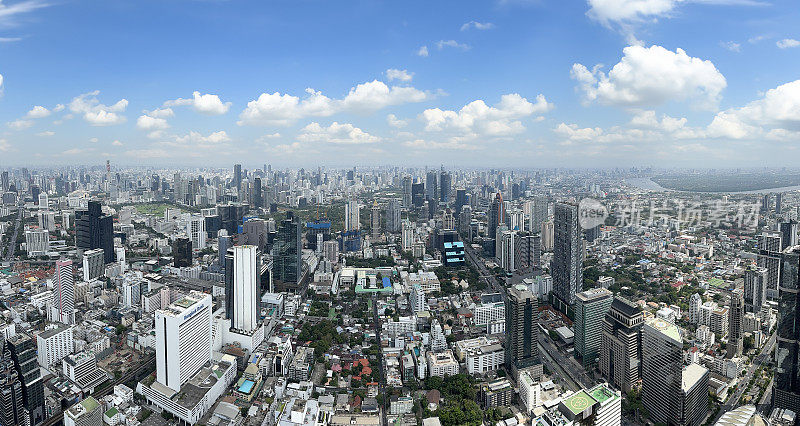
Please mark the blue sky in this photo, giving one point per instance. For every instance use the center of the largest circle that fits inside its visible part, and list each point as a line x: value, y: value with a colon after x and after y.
x: 537, y: 83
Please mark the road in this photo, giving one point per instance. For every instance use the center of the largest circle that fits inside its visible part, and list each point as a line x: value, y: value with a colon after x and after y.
x: 763, y: 356
x: 12, y: 243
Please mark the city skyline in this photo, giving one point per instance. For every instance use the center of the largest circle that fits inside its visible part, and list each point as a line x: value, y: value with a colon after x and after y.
x: 506, y: 83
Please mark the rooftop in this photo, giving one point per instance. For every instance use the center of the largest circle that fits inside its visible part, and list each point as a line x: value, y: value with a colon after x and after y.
x: 692, y: 374
x: 579, y: 402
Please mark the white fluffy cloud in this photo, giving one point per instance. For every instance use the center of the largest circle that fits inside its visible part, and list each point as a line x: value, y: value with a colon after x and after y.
x: 336, y: 133
x: 4, y: 145
x: 95, y: 113
x: 621, y: 11
x: 283, y: 109
x: 477, y: 118
x: 650, y: 76
x: 195, y: 137
x: 204, y: 104
x: 402, y: 75
x: 787, y: 43
x: 423, y: 51
x: 776, y: 114
x: 477, y: 25
x: 116, y: 143
x: 38, y: 111
x: 395, y: 122
x: 148, y: 122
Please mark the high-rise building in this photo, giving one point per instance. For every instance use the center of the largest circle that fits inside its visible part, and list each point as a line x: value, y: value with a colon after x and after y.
x: 237, y: 175
x: 352, y: 216
x: 407, y: 181
x: 496, y: 215
x: 196, y: 229
x: 548, y: 234
x: 53, y: 345
x: 393, y: 216
x: 735, y: 325
x: 375, y: 220
x: 788, y: 234
x: 95, y: 230
x: 418, y: 194
x: 23, y: 353
x: 461, y: 200
x: 444, y: 186
x: 591, y: 307
x: 407, y: 237
x: 522, y: 329
x: 63, y: 307
x: 671, y: 394
x: 37, y: 242
x: 224, y: 241
x: 183, y: 339
x: 778, y: 200
x: 769, y: 257
x: 528, y: 251
x: 506, y: 251
x: 786, y: 386
x: 182, y: 252
x: 620, y: 344
x: 242, y: 288
x: 258, y: 198
x: 93, y: 266
x: 287, y: 264
x: 567, y: 265
x: 432, y: 185
x: 12, y: 408
x: 755, y: 288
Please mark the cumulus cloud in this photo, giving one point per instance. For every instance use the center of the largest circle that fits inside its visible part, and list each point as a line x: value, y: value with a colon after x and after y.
x: 776, y: 114
x: 336, y: 133
x: 98, y: 114
x: 787, y: 43
x: 196, y: 137
x: 477, y: 118
x: 477, y: 25
x: 423, y: 51
x: 395, y: 122
x: 147, y: 122
x: 38, y: 111
x: 402, y: 75
x: 204, y: 104
x: 650, y: 76
x: 283, y: 109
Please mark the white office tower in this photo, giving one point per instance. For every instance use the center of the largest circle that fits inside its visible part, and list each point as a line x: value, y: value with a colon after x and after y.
x: 63, y: 306
x: 47, y: 220
x: 183, y: 339
x: 352, y: 220
x: 196, y: 229
x: 416, y: 299
x: 44, y: 202
x: 407, y: 238
x: 93, y: 262
x: 123, y: 265
x: 245, y: 288
x: 37, y: 242
x: 53, y: 345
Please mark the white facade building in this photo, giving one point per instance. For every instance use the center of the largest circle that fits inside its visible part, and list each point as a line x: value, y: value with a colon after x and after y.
x: 183, y: 339
x: 93, y: 262
x: 53, y: 345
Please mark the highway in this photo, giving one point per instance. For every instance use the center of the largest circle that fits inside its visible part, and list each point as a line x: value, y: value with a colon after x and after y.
x: 12, y: 242
x: 762, y: 357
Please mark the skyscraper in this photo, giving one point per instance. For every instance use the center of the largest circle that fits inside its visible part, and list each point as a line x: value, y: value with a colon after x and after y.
x: 496, y: 215
x: 242, y: 288
x: 196, y: 229
x: 788, y: 234
x: 755, y: 288
x: 769, y: 257
x: 63, y: 307
x: 778, y: 200
x: 93, y: 264
x: 461, y: 200
x: 182, y: 252
x: 620, y: 344
x: 237, y: 175
x: 672, y: 394
x: 521, y: 329
x: 183, y: 339
x: 375, y: 220
x: 12, y: 408
x: 352, y: 218
x: 23, y: 352
x: 432, y: 185
x: 567, y: 264
x: 287, y: 265
x: 393, y: 215
x: 224, y: 241
x: 591, y: 307
x: 735, y: 325
x: 94, y: 230
x: 418, y: 194
x: 786, y: 387
x: 258, y: 198
x: 407, y: 181
x: 444, y: 186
